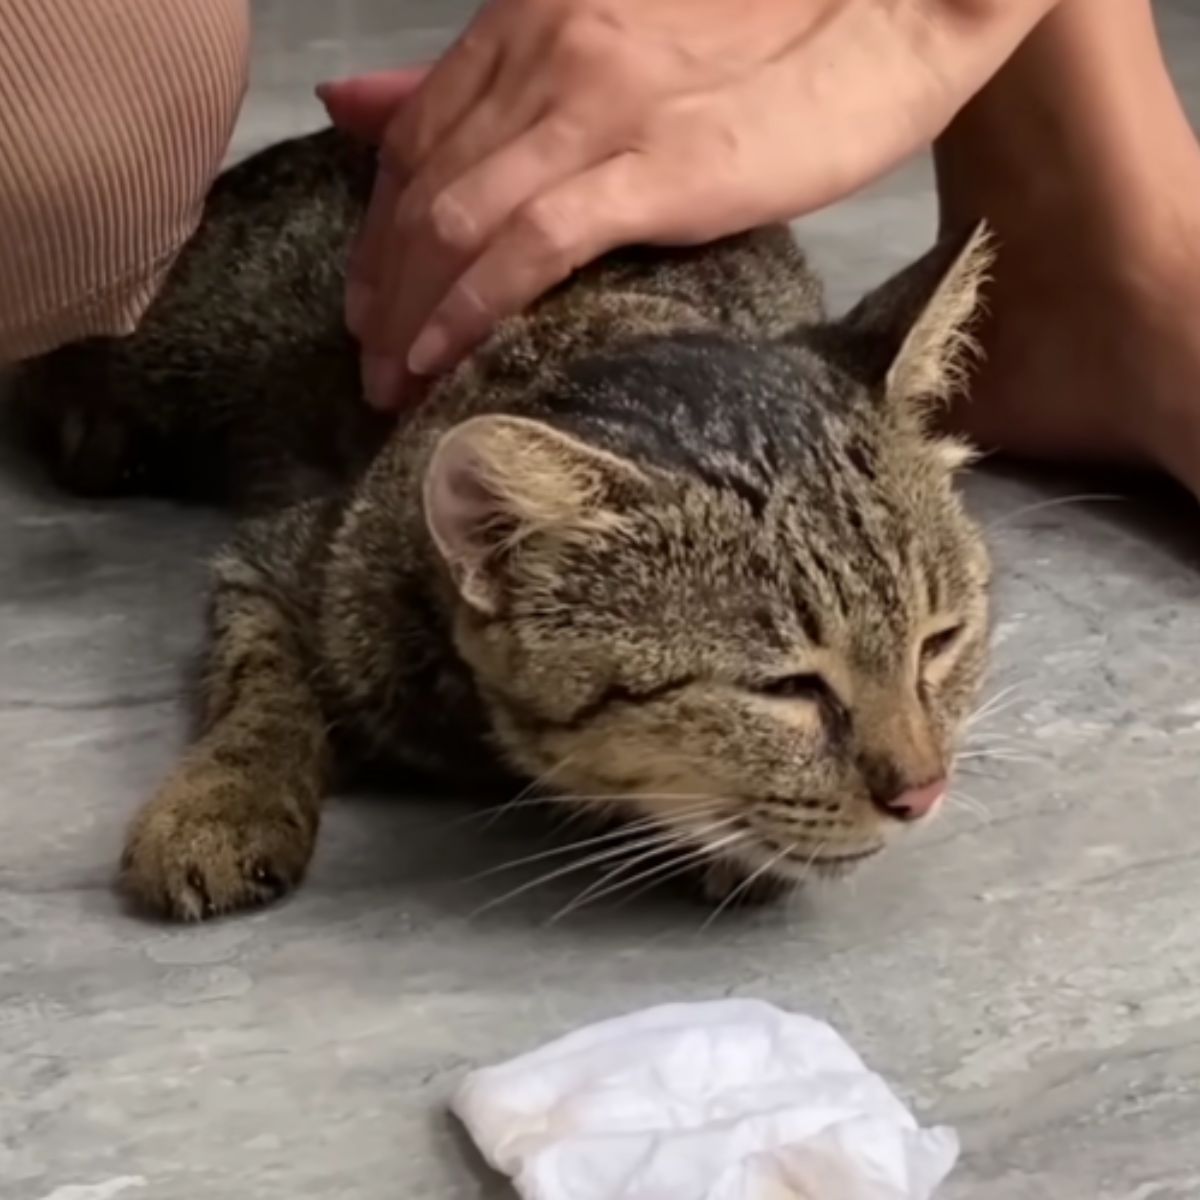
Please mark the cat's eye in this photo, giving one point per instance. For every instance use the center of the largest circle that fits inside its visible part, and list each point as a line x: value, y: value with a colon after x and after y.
x: 811, y: 687
x: 934, y: 646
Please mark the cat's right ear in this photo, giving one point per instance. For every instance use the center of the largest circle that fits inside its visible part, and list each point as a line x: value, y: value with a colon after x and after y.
x: 912, y: 335
x: 497, y: 486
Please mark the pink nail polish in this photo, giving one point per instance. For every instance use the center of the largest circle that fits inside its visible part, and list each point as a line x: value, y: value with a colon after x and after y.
x: 381, y: 377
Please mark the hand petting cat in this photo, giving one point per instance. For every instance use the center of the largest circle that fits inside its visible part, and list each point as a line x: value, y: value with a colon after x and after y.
x: 555, y: 130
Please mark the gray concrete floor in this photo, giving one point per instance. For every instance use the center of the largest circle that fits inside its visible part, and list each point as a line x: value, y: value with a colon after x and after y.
x: 1029, y: 970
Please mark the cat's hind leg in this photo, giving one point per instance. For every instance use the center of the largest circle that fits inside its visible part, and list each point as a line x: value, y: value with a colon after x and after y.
x: 234, y: 826
x: 83, y: 418
x: 72, y: 427
x: 105, y: 419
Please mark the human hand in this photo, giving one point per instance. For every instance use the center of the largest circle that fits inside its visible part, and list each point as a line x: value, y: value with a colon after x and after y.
x: 555, y: 130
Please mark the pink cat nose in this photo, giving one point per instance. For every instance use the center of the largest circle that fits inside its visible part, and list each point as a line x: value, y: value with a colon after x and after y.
x: 915, y: 803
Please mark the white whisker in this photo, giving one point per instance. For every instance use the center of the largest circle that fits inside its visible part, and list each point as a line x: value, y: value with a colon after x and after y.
x: 621, y: 832
x: 1053, y: 502
x: 997, y: 755
x: 612, y: 873
x: 970, y: 803
x: 981, y: 740
x: 583, y: 799
x: 688, y: 865
x: 599, y: 887
x: 663, y: 838
x: 580, y: 865
x: 577, y: 802
x: 746, y: 884
x: 532, y: 787
x: 662, y: 871
x: 812, y: 858
x: 997, y: 703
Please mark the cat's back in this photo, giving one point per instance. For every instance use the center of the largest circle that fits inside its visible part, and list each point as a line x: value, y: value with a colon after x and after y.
x: 263, y: 273
x: 241, y: 378
x: 243, y: 373
x: 690, y: 323
x: 676, y: 357
x: 757, y: 284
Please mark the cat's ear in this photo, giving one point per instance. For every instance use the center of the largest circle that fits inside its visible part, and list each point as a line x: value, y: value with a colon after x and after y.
x: 912, y: 335
x: 494, y: 484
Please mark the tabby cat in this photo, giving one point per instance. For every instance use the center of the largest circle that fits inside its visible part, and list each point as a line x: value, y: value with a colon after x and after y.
x: 674, y: 543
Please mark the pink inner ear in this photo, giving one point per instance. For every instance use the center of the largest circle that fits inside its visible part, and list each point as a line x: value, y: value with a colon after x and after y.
x: 458, y: 505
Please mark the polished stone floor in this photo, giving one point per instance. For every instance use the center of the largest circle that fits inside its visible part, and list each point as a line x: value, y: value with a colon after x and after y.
x: 1028, y: 971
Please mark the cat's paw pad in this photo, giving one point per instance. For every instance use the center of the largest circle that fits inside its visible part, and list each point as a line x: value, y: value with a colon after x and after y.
x: 214, y: 841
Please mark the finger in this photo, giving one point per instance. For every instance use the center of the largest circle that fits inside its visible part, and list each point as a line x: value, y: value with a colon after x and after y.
x: 544, y: 242
x: 411, y: 260
x: 364, y: 269
x: 377, y: 269
x: 381, y: 274
x: 363, y: 106
x: 451, y: 89
x: 442, y: 242
x: 508, y: 112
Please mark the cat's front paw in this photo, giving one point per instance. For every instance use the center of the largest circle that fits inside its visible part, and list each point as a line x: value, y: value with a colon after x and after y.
x: 215, y: 840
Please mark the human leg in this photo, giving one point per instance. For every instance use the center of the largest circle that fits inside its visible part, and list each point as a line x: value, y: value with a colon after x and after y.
x: 1081, y: 157
x: 114, y: 118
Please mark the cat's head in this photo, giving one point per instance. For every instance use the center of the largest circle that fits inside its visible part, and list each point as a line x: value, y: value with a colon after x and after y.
x: 759, y: 629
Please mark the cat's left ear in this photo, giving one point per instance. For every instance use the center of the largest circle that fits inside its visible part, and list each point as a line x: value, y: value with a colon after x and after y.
x: 912, y: 335
x: 499, y: 487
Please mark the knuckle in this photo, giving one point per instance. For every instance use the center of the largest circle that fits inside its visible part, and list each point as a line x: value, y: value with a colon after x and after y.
x: 690, y: 144
x: 473, y: 308
x: 973, y: 10
x: 549, y: 231
x: 721, y: 140
x: 450, y: 224
x: 540, y: 10
x: 564, y: 130
x: 584, y: 44
x: 398, y: 149
x: 476, y: 42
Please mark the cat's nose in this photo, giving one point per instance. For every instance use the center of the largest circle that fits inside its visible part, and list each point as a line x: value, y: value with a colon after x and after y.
x: 914, y: 803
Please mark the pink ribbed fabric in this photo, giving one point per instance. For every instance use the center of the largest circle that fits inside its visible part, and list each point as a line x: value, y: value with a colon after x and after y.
x: 114, y: 116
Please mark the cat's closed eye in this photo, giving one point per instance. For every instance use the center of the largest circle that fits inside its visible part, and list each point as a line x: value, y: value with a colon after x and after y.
x: 938, y: 644
x: 811, y: 687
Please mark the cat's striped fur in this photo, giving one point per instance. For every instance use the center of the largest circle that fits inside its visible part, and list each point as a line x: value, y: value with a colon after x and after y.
x: 673, y: 537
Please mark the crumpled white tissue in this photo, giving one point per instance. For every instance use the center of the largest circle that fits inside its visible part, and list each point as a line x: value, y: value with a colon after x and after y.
x: 727, y: 1100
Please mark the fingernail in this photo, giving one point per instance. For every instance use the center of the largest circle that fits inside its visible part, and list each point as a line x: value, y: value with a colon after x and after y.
x: 429, y: 350
x: 381, y: 377
x: 358, y: 303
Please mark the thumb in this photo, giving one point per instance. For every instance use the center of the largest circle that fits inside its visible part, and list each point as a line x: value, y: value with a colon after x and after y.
x: 363, y: 106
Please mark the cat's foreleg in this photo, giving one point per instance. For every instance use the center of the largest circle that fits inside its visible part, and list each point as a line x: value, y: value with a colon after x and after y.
x: 235, y: 824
